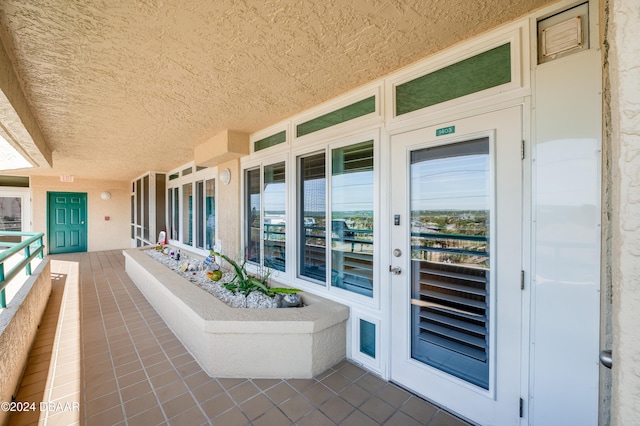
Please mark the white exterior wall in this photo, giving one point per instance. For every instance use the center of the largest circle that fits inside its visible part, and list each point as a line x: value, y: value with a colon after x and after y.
x: 624, y: 72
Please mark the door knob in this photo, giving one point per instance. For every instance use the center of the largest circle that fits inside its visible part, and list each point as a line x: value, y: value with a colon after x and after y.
x: 395, y: 270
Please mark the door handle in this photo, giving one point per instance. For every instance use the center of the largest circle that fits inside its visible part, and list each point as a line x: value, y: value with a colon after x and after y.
x: 606, y: 359
x: 395, y: 270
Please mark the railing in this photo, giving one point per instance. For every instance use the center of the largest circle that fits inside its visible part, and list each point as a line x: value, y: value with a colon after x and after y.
x: 32, y: 247
x: 445, y: 248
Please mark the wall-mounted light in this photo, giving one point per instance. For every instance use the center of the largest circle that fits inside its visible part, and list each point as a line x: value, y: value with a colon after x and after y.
x: 105, y: 195
x: 225, y: 176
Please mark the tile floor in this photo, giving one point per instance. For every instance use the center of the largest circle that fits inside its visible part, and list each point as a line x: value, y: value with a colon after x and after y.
x: 103, y: 356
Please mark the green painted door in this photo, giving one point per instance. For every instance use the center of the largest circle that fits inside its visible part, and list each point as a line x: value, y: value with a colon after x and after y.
x: 67, y: 218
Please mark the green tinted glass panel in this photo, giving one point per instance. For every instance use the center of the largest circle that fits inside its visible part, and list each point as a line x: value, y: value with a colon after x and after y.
x: 358, y: 109
x: 368, y: 338
x: 272, y: 140
x: 489, y: 69
x: 174, y: 176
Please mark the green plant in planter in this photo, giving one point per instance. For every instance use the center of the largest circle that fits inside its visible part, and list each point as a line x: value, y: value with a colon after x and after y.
x: 245, y: 283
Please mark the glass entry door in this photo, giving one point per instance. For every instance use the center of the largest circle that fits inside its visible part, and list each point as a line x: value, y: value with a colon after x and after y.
x: 456, y: 262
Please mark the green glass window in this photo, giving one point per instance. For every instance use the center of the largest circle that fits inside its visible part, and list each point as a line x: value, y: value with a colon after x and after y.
x: 355, y: 110
x: 270, y: 141
x: 275, y: 202
x: 352, y: 218
x: 488, y: 69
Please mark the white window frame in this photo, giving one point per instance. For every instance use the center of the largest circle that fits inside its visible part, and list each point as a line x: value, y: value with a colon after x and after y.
x: 325, y: 288
x: 192, y: 178
x: 260, y: 164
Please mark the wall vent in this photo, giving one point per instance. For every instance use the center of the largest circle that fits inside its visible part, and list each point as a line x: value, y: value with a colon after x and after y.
x: 563, y: 34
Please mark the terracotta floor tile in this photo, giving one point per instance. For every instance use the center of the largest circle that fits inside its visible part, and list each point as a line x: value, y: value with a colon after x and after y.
x: 197, y: 379
x: 296, y: 407
x: 419, y: 409
x: 173, y: 390
x: 354, y: 395
x: 337, y: 409
x: 97, y: 390
x: 256, y: 406
x: 187, y: 370
x: 318, y: 394
x: 315, y: 418
x: 132, y: 378
x: 217, y: 405
x: 117, y: 358
x: 358, y: 418
x: 177, y: 405
x: 352, y: 372
x: 445, y: 419
x: 370, y: 382
x: 243, y: 392
x: 134, y: 391
x: 103, y: 403
x: 281, y: 392
x: 393, y: 395
x: 235, y: 417
x: 192, y: 416
x: 336, y: 382
x: 377, y: 409
x: 271, y: 418
x: 111, y: 417
x: 140, y: 404
x: 230, y: 383
x: 401, y: 419
x: 150, y: 417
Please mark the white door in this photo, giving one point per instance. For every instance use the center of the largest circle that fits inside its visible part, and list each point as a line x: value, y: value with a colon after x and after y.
x: 457, y: 260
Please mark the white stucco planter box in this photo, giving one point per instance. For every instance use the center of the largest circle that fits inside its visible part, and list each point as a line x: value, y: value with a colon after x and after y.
x: 237, y: 342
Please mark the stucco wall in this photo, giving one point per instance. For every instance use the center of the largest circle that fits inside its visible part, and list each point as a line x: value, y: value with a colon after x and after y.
x: 229, y: 209
x: 18, y: 327
x: 102, y: 234
x: 624, y: 133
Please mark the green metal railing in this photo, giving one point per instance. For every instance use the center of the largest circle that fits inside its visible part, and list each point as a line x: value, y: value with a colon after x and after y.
x: 32, y: 247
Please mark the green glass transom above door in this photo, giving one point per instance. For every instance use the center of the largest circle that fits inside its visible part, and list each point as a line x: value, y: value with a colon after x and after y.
x: 67, y: 222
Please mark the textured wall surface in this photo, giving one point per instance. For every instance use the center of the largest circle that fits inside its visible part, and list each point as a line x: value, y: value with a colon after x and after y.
x: 17, y: 124
x: 18, y: 327
x: 624, y: 26
x: 121, y: 87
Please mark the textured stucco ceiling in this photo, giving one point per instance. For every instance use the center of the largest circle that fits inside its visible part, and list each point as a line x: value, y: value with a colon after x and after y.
x: 119, y: 87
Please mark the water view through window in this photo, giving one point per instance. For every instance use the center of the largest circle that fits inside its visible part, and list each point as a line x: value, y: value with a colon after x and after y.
x: 352, y: 218
x: 253, y: 215
x: 313, y: 189
x: 450, y: 216
x: 274, y: 199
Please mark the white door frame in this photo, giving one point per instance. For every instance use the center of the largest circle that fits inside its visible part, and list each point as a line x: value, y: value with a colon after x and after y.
x: 508, y: 162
